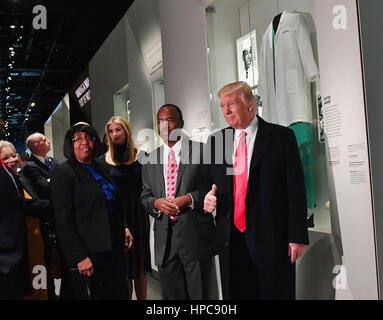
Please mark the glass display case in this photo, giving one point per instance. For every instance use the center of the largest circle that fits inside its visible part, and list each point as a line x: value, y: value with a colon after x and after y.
x: 273, y: 47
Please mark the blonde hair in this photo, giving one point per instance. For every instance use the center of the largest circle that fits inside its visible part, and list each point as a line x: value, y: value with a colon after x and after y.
x: 239, y: 87
x: 130, y: 151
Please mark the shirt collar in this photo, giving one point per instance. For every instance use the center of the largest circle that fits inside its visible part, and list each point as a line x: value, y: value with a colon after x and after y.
x: 176, y: 148
x: 250, y: 130
x: 40, y: 158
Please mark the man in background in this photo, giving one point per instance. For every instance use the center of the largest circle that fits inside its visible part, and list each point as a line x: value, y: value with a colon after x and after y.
x: 37, y: 173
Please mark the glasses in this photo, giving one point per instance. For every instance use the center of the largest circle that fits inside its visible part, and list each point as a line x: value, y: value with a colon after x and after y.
x: 86, y: 138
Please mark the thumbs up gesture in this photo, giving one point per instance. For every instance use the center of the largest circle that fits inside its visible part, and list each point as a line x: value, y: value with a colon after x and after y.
x: 210, y: 202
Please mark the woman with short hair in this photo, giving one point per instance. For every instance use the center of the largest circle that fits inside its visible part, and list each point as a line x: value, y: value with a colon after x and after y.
x: 90, y: 224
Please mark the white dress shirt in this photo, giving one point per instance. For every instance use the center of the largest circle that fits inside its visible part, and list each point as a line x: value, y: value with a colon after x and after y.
x: 40, y: 158
x: 289, y: 99
x: 177, y: 151
x: 251, y: 133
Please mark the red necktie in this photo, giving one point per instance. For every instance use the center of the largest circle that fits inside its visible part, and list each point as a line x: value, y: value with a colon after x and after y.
x: 240, y: 182
x: 171, y: 177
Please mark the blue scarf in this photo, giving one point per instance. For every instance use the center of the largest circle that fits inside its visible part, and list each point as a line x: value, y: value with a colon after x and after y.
x: 106, y: 187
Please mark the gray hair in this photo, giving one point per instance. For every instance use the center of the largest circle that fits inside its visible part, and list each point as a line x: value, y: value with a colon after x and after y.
x: 4, y: 143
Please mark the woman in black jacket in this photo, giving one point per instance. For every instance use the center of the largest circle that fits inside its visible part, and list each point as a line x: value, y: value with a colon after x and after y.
x: 90, y: 224
x: 15, y: 272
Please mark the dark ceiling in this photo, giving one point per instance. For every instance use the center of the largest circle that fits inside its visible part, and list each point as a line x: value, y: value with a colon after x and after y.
x: 39, y: 66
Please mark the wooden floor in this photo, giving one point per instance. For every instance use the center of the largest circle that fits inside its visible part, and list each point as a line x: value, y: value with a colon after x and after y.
x: 36, y: 255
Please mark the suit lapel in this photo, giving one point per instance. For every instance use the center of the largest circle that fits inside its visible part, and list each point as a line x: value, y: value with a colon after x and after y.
x: 40, y: 164
x: 159, y: 169
x: 185, y: 158
x: 228, y: 141
x: 262, y: 141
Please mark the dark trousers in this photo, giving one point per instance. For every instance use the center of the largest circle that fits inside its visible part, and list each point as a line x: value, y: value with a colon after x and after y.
x: 11, y: 284
x: 44, y: 228
x: 180, y: 276
x: 108, y: 281
x: 243, y: 275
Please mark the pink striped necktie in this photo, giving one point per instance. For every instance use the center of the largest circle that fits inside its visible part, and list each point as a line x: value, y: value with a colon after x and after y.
x: 171, y: 177
x: 240, y: 182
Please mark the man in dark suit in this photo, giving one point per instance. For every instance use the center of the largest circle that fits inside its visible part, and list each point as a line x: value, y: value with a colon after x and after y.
x: 37, y: 169
x: 258, y: 195
x: 170, y: 194
x: 36, y: 173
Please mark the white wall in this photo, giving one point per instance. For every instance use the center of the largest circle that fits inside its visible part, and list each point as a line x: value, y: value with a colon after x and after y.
x: 56, y: 127
x: 108, y: 73
x: 119, y: 62
x: 183, y: 34
x: 140, y: 87
x: 48, y: 132
x: 342, y: 83
x: 223, y: 29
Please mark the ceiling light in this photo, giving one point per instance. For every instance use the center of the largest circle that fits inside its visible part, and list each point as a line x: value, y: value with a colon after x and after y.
x: 10, y: 48
x: 33, y: 104
x: 13, y: 26
x: 9, y: 78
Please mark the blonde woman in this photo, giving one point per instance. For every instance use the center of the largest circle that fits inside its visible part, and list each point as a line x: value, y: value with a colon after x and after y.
x: 121, y: 161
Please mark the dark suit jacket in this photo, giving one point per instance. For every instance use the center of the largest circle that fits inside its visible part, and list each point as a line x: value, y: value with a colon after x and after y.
x: 275, y: 205
x: 13, y: 208
x: 12, y: 225
x: 197, y: 228
x: 81, y: 212
x: 36, y: 175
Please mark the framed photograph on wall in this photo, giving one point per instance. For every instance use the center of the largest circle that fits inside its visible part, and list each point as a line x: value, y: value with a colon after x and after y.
x: 247, y: 60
